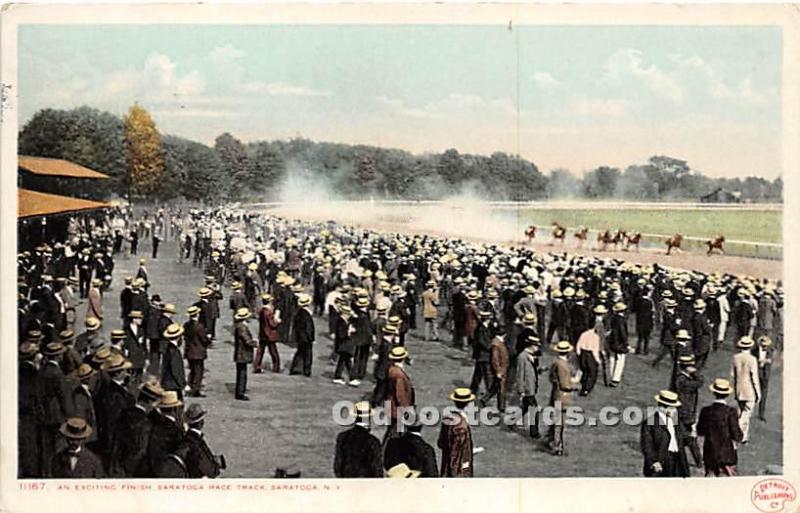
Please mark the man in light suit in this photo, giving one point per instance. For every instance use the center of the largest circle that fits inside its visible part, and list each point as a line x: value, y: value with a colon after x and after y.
x: 746, y: 383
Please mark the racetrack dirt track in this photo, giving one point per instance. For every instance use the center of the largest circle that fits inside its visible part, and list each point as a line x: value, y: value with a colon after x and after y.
x: 479, y: 225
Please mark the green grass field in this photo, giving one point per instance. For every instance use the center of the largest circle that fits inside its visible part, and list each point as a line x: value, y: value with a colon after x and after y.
x: 747, y: 225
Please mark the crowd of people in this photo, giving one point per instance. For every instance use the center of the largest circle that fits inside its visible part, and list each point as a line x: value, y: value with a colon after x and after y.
x: 91, y: 406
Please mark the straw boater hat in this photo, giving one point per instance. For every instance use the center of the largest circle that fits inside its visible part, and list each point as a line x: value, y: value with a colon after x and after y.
x: 173, y: 331
x: 394, y: 319
x: 389, y: 329
x: 492, y: 294
x: 169, y: 400
x: 345, y: 309
x: 194, y: 414
x: 670, y: 303
x: 529, y: 290
x: 699, y: 304
x: 204, y: 292
x: 96, y: 282
x: 75, y: 428
x: 28, y: 350
x: 303, y: 300
x: 765, y: 341
x: 53, y: 349
x: 102, y: 354
x: 83, y: 372
x: 242, y: 314
x: 485, y: 314
x: 92, y: 323
x: 138, y: 283
x: 362, y: 302
x: 555, y: 293
x: 151, y: 390
x: 462, y: 395
x: 686, y: 360
x: 562, y: 347
x: 298, y: 287
x: 117, y: 334
x: 619, y: 307
x: 142, y: 261
x: 193, y: 310
x: 136, y: 314
x: 581, y: 294
x: 668, y: 398
x: 473, y: 295
x: 361, y: 410
x: 66, y: 336
x: 115, y: 363
x: 266, y: 296
x: 600, y: 309
x: 398, y: 354
x: 237, y: 285
x: 683, y: 335
x: 402, y: 471
x: 569, y: 292
x: 745, y: 343
x: 721, y: 386
x: 169, y: 308
x: 533, y: 340
x: 529, y: 319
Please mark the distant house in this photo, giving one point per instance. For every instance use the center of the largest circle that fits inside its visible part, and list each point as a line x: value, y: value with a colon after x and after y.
x: 720, y: 195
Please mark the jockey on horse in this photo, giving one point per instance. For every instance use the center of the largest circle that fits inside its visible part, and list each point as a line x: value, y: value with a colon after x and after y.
x: 674, y: 242
x: 716, y: 243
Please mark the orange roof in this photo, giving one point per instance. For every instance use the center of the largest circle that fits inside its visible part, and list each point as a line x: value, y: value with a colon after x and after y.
x: 57, y: 167
x: 33, y: 203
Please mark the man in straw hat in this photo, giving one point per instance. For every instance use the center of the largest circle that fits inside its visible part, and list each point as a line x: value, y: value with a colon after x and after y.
x: 94, y: 302
x: 92, y: 330
x: 269, y: 319
x: 402, y: 471
x: 746, y: 383
x: 131, y: 441
x: 618, y: 343
x: 719, y: 427
x: 56, y: 400
x: 527, y: 383
x: 304, y: 336
x: 166, y: 434
x: 564, y: 383
x: 500, y: 362
x: 135, y: 346
x: 243, y: 346
x: 660, y: 439
x: 430, y: 311
x: 358, y: 452
x: 764, y: 353
x: 76, y: 461
x: 455, y: 437
x: 399, y: 390
x: 83, y: 396
x: 701, y: 333
x: 195, y: 350
x: 173, y: 373
x: 687, y: 384
x: 29, y: 411
x: 481, y: 341
x: 344, y: 346
x: 670, y: 324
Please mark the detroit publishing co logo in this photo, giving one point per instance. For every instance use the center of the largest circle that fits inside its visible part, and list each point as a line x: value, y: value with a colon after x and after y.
x: 771, y: 495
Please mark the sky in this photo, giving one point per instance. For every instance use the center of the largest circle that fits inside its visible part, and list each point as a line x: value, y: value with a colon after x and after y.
x: 574, y: 97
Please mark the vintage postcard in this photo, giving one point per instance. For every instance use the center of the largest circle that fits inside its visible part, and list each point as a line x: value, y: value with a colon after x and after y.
x: 299, y: 257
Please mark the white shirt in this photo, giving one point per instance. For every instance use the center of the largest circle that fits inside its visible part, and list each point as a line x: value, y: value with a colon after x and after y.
x: 668, y: 423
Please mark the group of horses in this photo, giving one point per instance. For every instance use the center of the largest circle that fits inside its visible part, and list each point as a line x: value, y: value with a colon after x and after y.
x: 619, y: 239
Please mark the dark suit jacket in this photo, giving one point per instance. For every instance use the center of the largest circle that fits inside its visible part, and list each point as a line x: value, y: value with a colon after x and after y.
x: 687, y: 387
x: 195, y: 340
x: 243, y: 343
x: 412, y: 450
x: 719, y: 425
x: 173, y: 373
x: 166, y: 436
x: 618, y: 338
x: 115, y: 398
x: 701, y: 334
x: 358, y: 454
x: 134, y: 345
x: 129, y: 453
x: 654, y: 443
x: 56, y: 397
x: 195, y: 453
x: 303, y: 328
x: 87, y: 467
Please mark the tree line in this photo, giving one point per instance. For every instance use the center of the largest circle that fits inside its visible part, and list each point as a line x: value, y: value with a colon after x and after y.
x: 145, y: 163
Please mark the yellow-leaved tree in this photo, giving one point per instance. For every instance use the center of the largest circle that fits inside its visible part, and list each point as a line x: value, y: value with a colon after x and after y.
x: 145, y: 157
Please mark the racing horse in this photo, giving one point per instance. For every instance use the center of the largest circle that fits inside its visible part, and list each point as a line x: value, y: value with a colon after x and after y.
x: 674, y: 242
x: 582, y: 234
x: 559, y: 233
x: 633, y: 239
x: 605, y: 238
x: 716, y: 243
x: 530, y: 233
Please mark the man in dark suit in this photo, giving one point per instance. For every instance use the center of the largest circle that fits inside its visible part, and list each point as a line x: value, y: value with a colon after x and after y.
x: 29, y: 413
x: 719, y: 426
x: 304, y: 336
x: 701, y: 334
x: 459, y: 314
x: 194, y: 450
x: 166, y: 434
x: 56, y: 400
x: 660, y: 439
x: 645, y: 309
x: 243, y: 345
x: 173, y: 374
x: 410, y: 448
x: 195, y: 350
x: 76, y: 461
x: 113, y: 398
x: 135, y: 347
x: 670, y: 324
x: 481, y: 353
x: 358, y: 452
x: 618, y: 343
x: 129, y: 453
x: 687, y: 383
